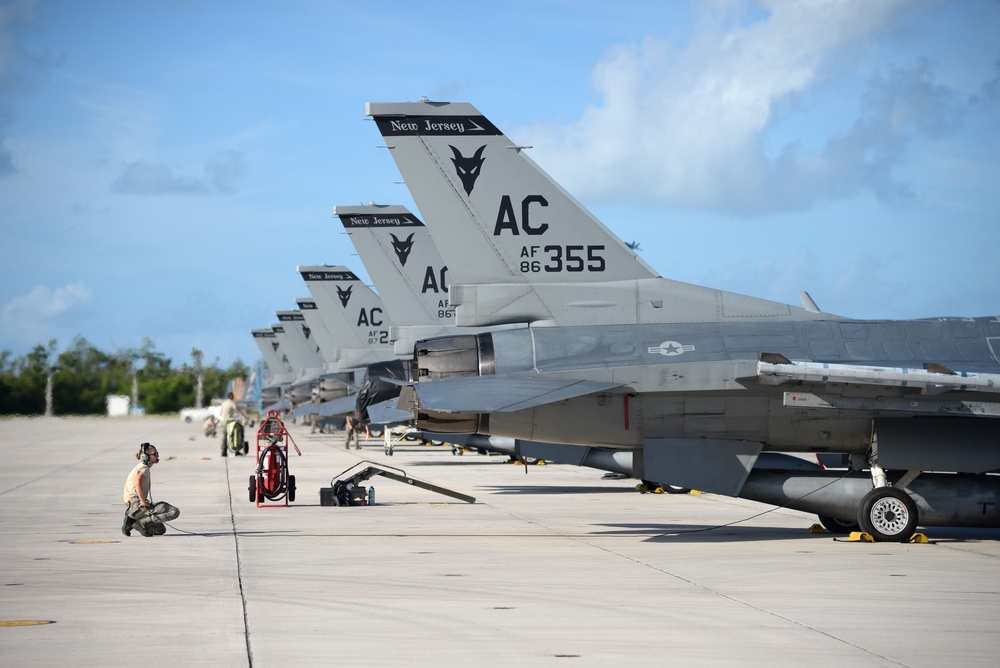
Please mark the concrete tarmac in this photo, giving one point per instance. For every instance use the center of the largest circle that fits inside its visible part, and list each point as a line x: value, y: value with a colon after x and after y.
x: 553, y: 567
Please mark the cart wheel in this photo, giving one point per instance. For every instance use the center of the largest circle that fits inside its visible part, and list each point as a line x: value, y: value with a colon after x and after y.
x: 291, y: 488
x: 253, y: 488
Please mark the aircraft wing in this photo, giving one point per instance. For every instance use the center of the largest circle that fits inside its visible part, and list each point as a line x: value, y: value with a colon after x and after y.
x: 774, y: 369
x: 501, y: 394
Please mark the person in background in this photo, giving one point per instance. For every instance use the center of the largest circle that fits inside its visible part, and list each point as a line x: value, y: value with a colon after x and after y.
x: 351, y: 425
x: 226, y: 412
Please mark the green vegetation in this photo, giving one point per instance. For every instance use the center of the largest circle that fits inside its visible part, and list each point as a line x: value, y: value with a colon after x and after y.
x: 83, y: 376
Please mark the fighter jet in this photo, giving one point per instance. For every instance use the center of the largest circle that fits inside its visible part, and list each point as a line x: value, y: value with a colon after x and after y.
x: 280, y: 370
x: 697, y: 383
x: 357, y: 323
x: 412, y: 279
x: 303, y: 354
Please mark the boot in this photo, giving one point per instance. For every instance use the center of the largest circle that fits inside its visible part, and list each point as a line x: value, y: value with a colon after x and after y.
x: 127, y: 525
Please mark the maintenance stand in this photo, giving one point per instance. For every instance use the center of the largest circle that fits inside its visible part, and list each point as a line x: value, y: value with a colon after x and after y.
x: 347, y: 489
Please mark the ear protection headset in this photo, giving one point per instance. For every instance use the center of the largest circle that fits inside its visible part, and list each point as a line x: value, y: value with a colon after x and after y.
x: 143, y: 457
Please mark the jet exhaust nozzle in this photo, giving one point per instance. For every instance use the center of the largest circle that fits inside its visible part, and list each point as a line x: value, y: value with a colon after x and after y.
x: 452, y: 423
x: 451, y: 356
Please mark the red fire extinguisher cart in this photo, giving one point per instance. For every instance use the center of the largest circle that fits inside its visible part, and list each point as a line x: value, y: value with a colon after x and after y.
x: 271, y: 482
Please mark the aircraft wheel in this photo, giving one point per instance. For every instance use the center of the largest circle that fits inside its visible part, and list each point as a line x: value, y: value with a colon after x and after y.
x: 842, y: 527
x: 253, y: 488
x: 674, y: 489
x: 888, y: 514
x: 291, y: 488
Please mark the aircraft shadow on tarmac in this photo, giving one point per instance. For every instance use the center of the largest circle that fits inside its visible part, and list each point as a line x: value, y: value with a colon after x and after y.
x: 699, y: 533
x: 557, y: 489
x: 457, y: 461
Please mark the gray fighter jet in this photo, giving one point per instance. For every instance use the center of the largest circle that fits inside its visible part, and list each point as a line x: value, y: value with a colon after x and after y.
x: 696, y: 383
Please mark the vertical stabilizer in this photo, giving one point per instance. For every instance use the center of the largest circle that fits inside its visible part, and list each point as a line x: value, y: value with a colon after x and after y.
x: 320, y: 331
x: 402, y: 260
x: 476, y: 189
x: 303, y: 346
x: 270, y: 350
x: 354, y: 314
x: 519, y: 248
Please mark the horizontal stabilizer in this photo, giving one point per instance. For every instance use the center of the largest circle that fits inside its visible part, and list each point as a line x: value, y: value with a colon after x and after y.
x: 338, y: 407
x: 304, y: 410
x: 501, y: 394
x: 387, y: 413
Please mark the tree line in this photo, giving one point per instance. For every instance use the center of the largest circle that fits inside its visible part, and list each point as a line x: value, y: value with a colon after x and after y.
x: 83, y: 376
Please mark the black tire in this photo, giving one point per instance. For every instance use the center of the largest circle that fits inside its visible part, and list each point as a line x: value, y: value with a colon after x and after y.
x: 674, y: 489
x: 291, y: 488
x: 888, y: 514
x: 253, y: 488
x: 841, y: 527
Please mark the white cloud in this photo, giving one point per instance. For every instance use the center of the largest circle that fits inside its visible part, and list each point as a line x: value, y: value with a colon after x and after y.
x: 44, y: 303
x: 31, y: 318
x: 222, y: 173
x: 685, y: 124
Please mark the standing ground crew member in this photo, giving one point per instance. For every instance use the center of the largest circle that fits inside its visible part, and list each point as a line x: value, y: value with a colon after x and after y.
x: 226, y: 411
x: 351, y: 425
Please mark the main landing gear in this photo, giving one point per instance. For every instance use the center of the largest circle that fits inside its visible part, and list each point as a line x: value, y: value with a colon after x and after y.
x: 888, y: 514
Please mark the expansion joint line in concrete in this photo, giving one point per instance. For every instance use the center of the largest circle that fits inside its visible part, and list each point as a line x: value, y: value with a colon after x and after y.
x: 239, y: 568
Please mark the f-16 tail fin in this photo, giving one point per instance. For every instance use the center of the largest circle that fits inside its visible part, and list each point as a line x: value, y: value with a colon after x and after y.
x: 353, y: 313
x: 274, y: 357
x: 402, y: 260
x: 521, y: 249
x: 475, y: 187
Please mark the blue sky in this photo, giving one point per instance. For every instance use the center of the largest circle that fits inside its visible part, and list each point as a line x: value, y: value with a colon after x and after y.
x: 165, y: 165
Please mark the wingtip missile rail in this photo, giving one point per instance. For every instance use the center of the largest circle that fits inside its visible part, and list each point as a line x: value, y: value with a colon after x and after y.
x: 775, y: 369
